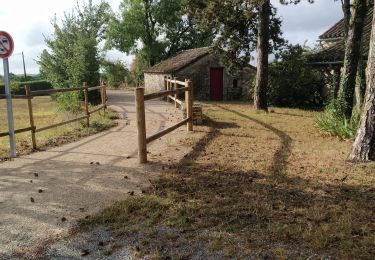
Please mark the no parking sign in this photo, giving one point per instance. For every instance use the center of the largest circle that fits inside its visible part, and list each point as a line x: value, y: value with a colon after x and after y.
x: 6, y: 45
x: 6, y: 49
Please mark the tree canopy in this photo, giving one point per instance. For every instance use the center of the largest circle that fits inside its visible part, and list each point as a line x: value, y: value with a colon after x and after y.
x: 73, y: 54
x: 160, y: 28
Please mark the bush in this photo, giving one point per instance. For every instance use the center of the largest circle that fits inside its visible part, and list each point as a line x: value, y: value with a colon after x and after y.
x: 69, y: 101
x: 334, y: 123
x: 18, y: 87
x: 293, y: 82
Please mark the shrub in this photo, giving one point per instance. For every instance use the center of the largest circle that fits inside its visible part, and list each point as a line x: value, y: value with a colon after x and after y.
x: 69, y: 101
x: 18, y: 87
x: 292, y: 81
x: 334, y: 123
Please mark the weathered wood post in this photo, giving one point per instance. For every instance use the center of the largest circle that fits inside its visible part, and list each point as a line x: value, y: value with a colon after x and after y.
x: 31, y: 116
x: 175, y: 95
x: 105, y: 96
x: 165, y: 83
x: 86, y: 93
x: 189, y: 104
x: 141, y: 124
x: 168, y: 86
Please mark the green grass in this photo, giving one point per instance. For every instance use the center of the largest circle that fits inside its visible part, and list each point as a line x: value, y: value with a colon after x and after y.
x: 257, y: 186
x: 46, y: 113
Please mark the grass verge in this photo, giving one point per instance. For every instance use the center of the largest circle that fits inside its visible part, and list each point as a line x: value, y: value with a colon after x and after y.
x: 263, y: 186
x: 46, y: 113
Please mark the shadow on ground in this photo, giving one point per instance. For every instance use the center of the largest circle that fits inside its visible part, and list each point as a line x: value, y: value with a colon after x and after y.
x: 207, y: 207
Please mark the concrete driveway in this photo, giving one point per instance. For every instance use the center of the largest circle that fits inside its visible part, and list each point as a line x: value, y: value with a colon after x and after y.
x: 43, y: 194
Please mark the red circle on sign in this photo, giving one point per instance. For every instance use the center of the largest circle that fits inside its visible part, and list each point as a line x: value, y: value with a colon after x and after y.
x: 6, y: 45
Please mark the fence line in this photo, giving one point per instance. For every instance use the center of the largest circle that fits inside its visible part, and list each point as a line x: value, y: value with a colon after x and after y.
x: 31, y: 94
x: 140, y: 99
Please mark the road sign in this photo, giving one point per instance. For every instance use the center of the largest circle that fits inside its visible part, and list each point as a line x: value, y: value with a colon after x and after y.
x: 6, y: 45
x: 6, y: 49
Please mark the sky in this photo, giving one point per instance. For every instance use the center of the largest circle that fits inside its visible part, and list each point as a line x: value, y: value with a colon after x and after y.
x: 29, y: 21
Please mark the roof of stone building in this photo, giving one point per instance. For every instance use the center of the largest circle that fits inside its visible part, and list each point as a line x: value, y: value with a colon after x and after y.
x: 336, y: 52
x: 336, y: 31
x: 179, y: 61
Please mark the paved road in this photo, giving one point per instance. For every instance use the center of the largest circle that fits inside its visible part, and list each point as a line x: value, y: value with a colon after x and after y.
x: 67, y: 186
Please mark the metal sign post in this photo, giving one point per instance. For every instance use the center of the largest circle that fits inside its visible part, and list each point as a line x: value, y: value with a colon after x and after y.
x: 6, y: 49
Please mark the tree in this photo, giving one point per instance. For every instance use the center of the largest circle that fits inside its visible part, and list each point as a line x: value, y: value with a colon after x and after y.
x: 139, y: 65
x: 292, y: 81
x: 261, y: 85
x: 352, y: 56
x: 73, y: 55
x: 114, y: 73
x: 158, y: 28
x: 364, y: 144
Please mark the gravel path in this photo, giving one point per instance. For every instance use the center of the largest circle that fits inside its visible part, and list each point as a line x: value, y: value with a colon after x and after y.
x: 43, y: 194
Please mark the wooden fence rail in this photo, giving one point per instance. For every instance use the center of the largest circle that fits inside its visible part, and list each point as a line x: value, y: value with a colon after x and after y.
x: 140, y: 99
x: 31, y: 94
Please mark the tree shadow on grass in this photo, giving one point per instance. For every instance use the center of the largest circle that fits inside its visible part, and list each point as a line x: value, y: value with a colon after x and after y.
x: 203, y: 210
x: 280, y: 158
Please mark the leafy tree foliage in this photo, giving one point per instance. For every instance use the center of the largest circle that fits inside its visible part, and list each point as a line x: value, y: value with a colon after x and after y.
x: 114, y: 73
x: 292, y: 81
x: 158, y: 28
x: 236, y: 24
x: 138, y: 67
x: 73, y: 55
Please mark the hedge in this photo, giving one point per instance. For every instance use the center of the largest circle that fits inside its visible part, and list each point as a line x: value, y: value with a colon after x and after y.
x: 34, y: 85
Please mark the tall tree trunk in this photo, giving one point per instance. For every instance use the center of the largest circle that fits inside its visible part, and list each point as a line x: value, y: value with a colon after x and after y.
x: 360, y: 82
x: 336, y: 81
x: 261, y: 86
x: 346, y: 11
x: 352, y: 55
x: 364, y: 144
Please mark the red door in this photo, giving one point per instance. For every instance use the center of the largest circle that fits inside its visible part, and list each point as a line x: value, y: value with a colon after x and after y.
x: 216, y: 84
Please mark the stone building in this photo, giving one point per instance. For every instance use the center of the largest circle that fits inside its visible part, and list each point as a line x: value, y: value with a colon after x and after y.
x: 210, y: 79
x: 330, y: 57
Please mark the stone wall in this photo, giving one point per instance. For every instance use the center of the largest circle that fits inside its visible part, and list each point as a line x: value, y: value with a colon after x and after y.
x: 154, y: 82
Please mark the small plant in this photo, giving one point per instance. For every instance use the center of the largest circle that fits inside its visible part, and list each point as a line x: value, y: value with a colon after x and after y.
x: 334, y: 123
x: 69, y: 102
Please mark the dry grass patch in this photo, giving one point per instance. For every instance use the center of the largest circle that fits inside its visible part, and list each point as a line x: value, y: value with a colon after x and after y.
x: 46, y: 113
x: 257, y: 185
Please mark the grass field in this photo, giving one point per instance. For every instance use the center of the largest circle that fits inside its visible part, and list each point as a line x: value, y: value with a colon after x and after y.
x: 257, y: 186
x: 45, y: 113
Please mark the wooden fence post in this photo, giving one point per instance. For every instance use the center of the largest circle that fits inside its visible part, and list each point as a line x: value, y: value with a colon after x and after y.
x: 105, y: 96
x: 86, y: 93
x: 165, y: 83
x: 175, y: 95
x: 189, y: 104
x: 31, y: 116
x: 168, y: 86
x: 141, y: 124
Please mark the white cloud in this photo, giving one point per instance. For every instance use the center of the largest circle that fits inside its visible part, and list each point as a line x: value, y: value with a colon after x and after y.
x: 27, y: 22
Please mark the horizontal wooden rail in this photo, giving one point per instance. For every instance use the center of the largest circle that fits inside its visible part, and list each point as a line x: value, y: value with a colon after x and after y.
x: 165, y: 93
x: 53, y: 91
x: 60, y: 124
x: 166, y: 131
x: 18, y: 131
x: 94, y: 88
x: 180, y: 102
x: 181, y: 83
x: 97, y: 109
x: 2, y: 96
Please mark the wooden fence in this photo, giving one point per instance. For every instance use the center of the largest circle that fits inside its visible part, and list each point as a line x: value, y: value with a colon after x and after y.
x: 31, y: 94
x: 170, y: 92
